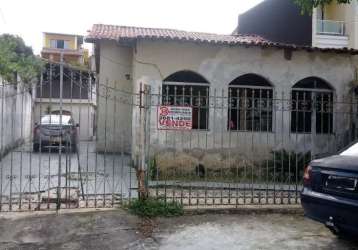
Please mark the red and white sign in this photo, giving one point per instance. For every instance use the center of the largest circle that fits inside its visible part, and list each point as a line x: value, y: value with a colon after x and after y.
x: 175, y: 118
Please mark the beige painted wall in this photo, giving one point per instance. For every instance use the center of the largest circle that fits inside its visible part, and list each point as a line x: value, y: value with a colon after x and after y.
x: 342, y: 12
x: 114, y: 102
x: 70, y: 38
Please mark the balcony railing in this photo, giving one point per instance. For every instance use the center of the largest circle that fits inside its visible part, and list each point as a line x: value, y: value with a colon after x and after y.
x: 330, y: 27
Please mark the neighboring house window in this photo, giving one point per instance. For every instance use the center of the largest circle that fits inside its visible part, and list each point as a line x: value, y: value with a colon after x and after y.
x: 53, y: 44
x: 250, y: 104
x: 66, y: 44
x: 186, y: 88
x: 312, y: 107
x: 59, y: 44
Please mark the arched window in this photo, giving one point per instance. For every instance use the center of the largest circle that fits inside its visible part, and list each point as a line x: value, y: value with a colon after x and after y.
x: 187, y: 88
x: 312, y: 106
x: 250, y: 104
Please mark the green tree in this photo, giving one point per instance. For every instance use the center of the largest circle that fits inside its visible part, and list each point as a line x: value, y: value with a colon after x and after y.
x: 17, y: 58
x: 308, y: 5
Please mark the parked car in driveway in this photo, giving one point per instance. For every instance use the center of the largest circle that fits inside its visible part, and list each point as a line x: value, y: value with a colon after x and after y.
x: 330, y: 193
x: 55, y: 131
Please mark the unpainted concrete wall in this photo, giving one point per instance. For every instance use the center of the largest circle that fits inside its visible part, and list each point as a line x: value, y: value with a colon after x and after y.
x: 152, y: 61
x: 222, y: 64
x: 15, y: 116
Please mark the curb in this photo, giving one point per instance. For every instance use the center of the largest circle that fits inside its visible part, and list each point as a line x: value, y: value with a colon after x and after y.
x: 247, y: 209
x: 26, y: 214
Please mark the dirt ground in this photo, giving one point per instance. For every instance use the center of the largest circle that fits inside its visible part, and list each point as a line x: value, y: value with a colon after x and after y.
x: 116, y: 229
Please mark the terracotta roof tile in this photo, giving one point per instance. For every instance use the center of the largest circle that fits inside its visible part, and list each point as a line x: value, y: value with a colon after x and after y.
x: 113, y: 32
x: 122, y: 33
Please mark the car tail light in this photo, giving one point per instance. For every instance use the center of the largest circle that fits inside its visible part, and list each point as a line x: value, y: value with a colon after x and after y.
x: 307, y: 176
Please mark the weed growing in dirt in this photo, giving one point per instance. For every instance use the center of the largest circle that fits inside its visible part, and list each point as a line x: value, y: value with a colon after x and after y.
x: 155, y: 208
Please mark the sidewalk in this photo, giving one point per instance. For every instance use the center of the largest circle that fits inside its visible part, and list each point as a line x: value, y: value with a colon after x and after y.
x: 116, y: 229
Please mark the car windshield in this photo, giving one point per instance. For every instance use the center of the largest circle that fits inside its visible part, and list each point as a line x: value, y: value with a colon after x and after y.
x: 351, y: 151
x: 55, y: 120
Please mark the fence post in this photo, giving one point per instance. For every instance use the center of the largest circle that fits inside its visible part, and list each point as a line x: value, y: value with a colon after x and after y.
x: 144, y: 119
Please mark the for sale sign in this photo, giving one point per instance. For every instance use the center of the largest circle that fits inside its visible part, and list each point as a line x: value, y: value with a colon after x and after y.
x: 175, y: 118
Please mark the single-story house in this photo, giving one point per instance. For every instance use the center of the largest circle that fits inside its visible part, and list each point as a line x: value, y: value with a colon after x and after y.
x: 304, y: 93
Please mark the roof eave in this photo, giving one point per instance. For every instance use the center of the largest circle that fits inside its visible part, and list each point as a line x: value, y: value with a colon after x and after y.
x: 90, y: 39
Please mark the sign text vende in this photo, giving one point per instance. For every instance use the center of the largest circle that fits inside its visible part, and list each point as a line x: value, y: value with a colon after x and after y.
x: 175, y: 118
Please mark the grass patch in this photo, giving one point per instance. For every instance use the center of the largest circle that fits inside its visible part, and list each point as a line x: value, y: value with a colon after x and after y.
x: 155, y: 208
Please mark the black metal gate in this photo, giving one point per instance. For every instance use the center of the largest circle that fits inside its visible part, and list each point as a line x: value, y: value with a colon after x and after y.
x: 52, y: 155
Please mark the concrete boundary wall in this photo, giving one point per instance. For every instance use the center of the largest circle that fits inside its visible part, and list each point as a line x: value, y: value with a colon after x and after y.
x: 15, y: 116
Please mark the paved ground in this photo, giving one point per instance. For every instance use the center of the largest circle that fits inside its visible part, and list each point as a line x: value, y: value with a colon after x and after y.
x: 29, y: 180
x: 119, y: 230
x: 35, y: 176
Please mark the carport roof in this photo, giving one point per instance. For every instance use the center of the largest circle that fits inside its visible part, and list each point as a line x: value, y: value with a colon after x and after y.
x: 128, y: 33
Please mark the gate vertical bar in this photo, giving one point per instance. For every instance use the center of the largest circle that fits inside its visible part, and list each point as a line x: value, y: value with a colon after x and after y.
x: 40, y: 144
x: 13, y: 115
x: 22, y: 92
x: 58, y: 206
x: 105, y: 143
x: 2, y: 142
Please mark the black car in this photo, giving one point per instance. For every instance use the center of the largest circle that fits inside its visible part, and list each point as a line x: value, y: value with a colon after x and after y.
x: 55, y: 131
x: 330, y: 193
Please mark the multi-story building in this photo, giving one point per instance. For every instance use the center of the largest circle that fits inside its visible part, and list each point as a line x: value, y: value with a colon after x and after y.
x: 69, y: 45
x: 278, y: 21
x: 79, y: 92
x: 331, y: 26
x: 335, y: 25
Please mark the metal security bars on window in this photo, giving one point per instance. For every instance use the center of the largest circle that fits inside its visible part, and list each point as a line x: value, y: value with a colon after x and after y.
x: 250, y: 109
x: 250, y: 104
x: 312, y: 107
x: 193, y: 96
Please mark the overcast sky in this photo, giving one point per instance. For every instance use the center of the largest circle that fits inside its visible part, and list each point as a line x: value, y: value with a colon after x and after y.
x: 30, y: 18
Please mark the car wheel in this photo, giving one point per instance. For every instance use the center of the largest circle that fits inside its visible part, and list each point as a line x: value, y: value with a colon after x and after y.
x: 36, y: 147
x: 341, y: 234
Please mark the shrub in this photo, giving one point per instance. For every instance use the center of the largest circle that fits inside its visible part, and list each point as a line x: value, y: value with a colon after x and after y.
x: 287, y: 165
x: 151, y: 207
x: 17, y: 58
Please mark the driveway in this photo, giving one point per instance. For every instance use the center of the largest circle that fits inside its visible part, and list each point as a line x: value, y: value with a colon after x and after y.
x: 119, y: 230
x: 232, y: 232
x: 28, y: 179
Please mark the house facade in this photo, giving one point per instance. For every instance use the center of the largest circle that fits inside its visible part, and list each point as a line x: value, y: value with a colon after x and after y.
x: 69, y: 45
x: 221, y: 73
x: 78, y: 98
x: 331, y: 26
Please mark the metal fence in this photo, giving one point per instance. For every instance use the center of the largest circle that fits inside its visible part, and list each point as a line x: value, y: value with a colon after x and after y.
x: 71, y: 142
x: 243, y: 144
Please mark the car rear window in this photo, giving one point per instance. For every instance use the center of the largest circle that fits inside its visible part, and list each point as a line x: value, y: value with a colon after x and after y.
x: 351, y: 151
x: 55, y: 120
